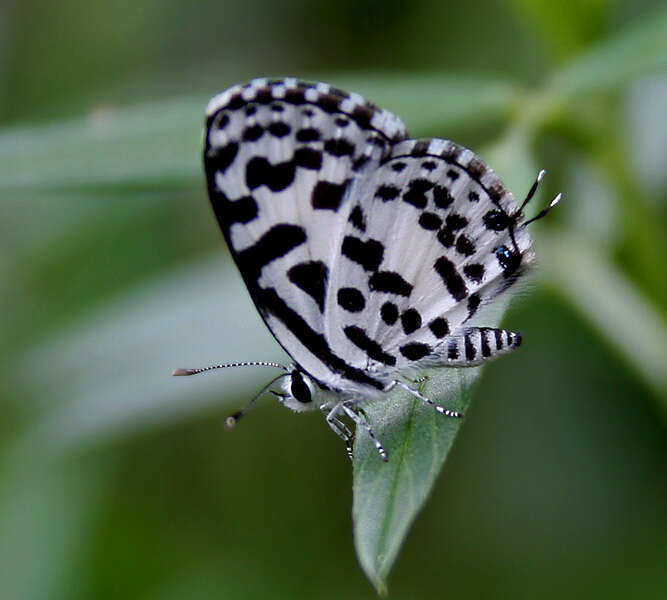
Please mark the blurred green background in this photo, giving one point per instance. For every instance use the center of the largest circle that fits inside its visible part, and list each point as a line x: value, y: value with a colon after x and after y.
x: 117, y: 481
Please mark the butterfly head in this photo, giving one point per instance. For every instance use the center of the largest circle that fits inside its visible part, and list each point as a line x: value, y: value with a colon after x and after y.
x: 298, y: 391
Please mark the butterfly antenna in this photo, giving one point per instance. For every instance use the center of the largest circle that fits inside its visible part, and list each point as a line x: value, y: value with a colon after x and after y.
x: 232, y: 420
x: 544, y: 211
x: 531, y: 192
x: 256, y: 363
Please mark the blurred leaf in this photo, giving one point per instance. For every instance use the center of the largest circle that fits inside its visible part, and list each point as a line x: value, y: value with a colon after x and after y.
x: 141, y: 143
x: 638, y: 50
x: 612, y: 304
x: 565, y: 27
x: 646, y: 131
x: 428, y: 102
x: 45, y: 512
x: 108, y: 375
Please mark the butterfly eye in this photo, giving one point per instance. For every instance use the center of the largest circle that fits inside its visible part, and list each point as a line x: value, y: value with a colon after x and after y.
x: 299, y: 390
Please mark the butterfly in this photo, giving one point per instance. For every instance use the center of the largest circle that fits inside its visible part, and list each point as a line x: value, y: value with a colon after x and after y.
x: 365, y: 252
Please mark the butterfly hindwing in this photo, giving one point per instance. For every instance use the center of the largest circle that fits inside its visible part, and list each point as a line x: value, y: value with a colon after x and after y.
x: 435, y: 217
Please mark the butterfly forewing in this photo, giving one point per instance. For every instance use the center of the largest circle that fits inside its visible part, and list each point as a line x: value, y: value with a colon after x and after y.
x: 283, y: 161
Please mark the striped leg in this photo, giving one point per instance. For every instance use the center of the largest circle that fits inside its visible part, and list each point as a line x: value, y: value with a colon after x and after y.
x: 360, y: 421
x: 441, y: 409
x: 476, y: 345
x: 338, y: 427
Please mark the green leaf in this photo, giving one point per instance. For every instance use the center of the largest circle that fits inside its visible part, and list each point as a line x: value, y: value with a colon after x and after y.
x: 388, y: 496
x: 612, y: 304
x: 430, y: 102
x: 153, y: 141
x: 638, y: 50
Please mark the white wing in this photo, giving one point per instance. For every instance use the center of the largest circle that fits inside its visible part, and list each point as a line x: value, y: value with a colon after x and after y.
x: 282, y: 159
x: 445, y: 234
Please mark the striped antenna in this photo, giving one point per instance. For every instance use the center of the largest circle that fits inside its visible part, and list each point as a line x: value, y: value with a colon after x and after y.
x: 256, y: 363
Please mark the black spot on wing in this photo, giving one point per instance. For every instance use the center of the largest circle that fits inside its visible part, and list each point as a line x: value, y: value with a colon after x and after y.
x: 327, y: 195
x: 389, y: 313
x: 308, y: 158
x: 275, y: 243
x: 474, y: 301
x: 361, y: 340
x: 252, y: 133
x: 411, y: 321
x: 308, y: 134
x: 430, y: 221
x: 295, y: 96
x: 398, y: 166
x: 260, y: 171
x: 476, y: 168
x: 455, y: 222
x: 362, y: 116
x: 387, y: 192
x: 389, y: 282
x: 279, y: 129
x: 465, y: 246
x: 368, y: 254
x: 244, y: 210
x: 474, y: 272
x: 439, y: 327
x: 416, y: 194
x: 415, y: 351
x: 339, y: 147
x: 420, y: 148
x: 221, y: 158
x: 451, y: 278
x: 311, y: 277
x: 351, y: 299
x: 357, y: 218
x: 446, y: 237
x: 441, y: 196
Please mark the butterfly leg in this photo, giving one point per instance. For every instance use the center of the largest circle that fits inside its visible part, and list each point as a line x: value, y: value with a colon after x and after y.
x: 338, y: 427
x: 360, y: 421
x: 441, y: 409
x: 419, y: 380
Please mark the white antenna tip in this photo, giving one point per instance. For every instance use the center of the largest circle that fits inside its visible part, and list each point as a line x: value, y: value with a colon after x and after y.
x: 540, y: 175
x: 556, y: 200
x: 232, y: 420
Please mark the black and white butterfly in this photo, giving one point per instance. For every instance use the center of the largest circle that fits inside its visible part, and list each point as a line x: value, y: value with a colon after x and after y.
x: 366, y: 253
